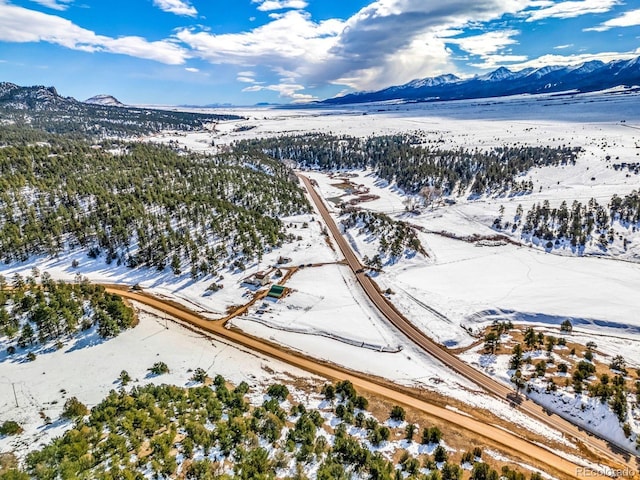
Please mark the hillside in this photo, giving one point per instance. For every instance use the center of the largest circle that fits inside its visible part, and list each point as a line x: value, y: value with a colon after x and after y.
x: 225, y: 432
x: 587, y: 77
x: 44, y: 108
x: 107, y: 100
x: 141, y: 205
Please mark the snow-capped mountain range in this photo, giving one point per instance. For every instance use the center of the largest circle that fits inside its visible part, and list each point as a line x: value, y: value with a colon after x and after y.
x: 586, y: 77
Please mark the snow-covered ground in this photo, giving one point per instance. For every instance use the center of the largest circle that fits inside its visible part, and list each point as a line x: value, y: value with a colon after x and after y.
x: 89, y: 367
x: 410, y: 367
x: 527, y: 119
x: 326, y: 301
x: 309, y: 248
x: 582, y: 409
x: 458, y: 285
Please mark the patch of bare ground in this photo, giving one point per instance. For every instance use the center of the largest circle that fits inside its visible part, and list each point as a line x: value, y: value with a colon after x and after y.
x: 7, y: 460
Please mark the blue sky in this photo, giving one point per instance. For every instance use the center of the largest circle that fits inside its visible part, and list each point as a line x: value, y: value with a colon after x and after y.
x: 281, y: 51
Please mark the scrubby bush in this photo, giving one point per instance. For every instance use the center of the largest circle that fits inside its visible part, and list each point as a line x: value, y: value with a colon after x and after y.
x: 159, y: 368
x: 74, y: 408
x: 278, y: 391
x: 9, y: 427
x: 199, y: 375
x: 397, y: 414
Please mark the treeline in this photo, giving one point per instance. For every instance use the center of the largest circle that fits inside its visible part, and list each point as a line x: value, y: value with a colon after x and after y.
x: 37, y: 313
x: 578, y: 225
x: 142, y: 204
x: 393, y: 237
x: 214, y: 433
x: 412, y: 163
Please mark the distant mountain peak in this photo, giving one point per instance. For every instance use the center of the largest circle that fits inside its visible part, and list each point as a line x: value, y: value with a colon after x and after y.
x: 432, y: 81
x: 586, y: 77
x: 38, y: 97
x: 103, y: 99
x: 497, y: 75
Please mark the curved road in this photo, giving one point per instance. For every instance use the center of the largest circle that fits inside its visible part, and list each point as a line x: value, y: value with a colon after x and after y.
x: 599, y: 446
x: 555, y: 463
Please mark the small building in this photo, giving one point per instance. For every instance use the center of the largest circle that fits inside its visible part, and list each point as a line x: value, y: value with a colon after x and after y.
x: 276, y: 291
x: 262, y: 278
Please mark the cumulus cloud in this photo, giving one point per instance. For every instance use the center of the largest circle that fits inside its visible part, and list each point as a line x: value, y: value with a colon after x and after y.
x: 177, y: 7
x: 388, y: 41
x: 22, y: 25
x: 54, y: 4
x: 269, y: 5
x: 286, y: 42
x: 491, y: 47
x: 571, y: 9
x: 627, y: 19
x: 486, y: 43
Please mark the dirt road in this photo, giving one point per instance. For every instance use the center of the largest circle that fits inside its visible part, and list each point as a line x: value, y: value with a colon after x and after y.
x: 554, y: 463
x: 595, y: 444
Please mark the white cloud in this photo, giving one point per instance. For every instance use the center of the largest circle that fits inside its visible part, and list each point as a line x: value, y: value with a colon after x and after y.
x: 568, y: 60
x: 192, y: 70
x: 248, y: 76
x: 22, y: 25
x: 491, y: 62
x: 491, y: 47
x: 287, y: 42
x: 562, y: 47
x: 269, y: 5
x: 627, y: 19
x: 571, y: 9
x: 177, y: 7
x: 386, y: 42
x: 486, y: 43
x: 290, y: 91
x: 54, y: 4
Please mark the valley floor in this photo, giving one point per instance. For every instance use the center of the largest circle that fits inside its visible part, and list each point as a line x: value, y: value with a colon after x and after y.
x: 455, y: 292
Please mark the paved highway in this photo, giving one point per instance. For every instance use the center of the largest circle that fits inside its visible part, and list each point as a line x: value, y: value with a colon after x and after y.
x: 597, y: 445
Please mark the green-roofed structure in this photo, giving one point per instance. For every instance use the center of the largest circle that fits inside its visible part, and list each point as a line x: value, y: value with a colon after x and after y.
x: 276, y: 291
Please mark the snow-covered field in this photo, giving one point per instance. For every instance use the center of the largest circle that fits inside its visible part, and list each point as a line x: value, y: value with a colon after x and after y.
x: 326, y: 301
x: 89, y: 367
x: 458, y: 285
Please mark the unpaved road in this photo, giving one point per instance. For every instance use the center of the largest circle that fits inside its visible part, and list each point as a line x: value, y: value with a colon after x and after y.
x: 597, y: 445
x: 555, y: 463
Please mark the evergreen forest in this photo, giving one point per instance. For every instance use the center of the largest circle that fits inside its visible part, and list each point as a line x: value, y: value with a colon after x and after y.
x: 36, y: 311
x: 394, y: 238
x: 413, y: 163
x: 139, y: 204
x: 214, y: 432
x: 575, y: 226
x: 44, y: 109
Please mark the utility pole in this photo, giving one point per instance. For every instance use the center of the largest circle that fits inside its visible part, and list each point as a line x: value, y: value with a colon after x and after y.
x: 13, y: 385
